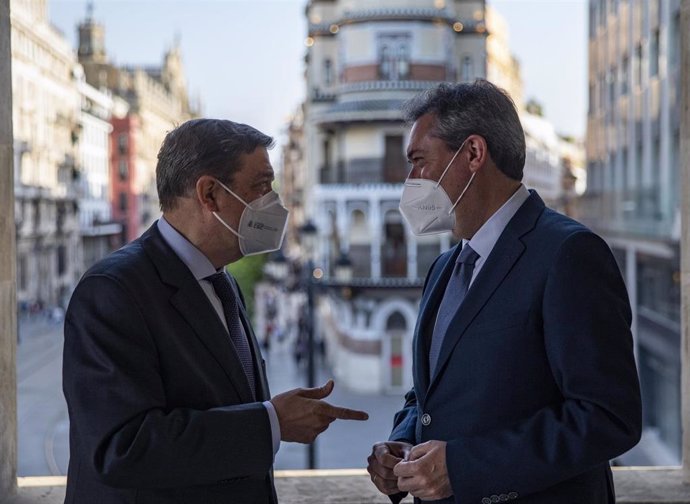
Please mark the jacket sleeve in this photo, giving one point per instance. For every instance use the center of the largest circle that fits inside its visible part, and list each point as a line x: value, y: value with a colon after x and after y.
x: 586, y: 330
x: 405, y: 420
x: 124, y: 429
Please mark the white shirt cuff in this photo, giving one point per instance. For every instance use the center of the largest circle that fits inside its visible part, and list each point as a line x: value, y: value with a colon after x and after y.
x: 275, y: 425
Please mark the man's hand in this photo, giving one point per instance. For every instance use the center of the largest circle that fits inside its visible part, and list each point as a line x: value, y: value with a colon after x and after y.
x: 302, y: 414
x: 384, y: 457
x: 425, y: 474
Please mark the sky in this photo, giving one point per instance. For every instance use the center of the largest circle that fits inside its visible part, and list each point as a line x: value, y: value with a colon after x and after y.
x: 245, y: 58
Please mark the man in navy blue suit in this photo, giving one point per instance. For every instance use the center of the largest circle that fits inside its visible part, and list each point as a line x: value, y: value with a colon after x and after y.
x: 525, y: 384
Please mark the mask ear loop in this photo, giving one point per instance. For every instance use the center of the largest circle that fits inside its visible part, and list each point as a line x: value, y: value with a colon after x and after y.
x: 462, y: 193
x: 215, y: 214
x: 231, y: 192
x: 450, y: 163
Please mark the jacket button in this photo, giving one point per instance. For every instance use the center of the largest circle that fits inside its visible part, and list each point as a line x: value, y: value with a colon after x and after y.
x: 426, y: 419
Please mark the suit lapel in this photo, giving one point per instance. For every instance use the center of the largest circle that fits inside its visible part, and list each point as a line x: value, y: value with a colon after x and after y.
x: 191, y: 302
x: 501, y: 260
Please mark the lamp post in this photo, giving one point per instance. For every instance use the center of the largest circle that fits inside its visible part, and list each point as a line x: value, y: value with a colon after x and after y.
x: 308, y: 235
x: 310, y: 281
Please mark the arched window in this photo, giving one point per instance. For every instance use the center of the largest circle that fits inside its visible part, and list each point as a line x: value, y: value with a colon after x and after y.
x: 394, y: 246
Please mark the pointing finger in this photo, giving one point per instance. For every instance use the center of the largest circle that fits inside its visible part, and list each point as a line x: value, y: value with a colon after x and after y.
x: 343, y: 413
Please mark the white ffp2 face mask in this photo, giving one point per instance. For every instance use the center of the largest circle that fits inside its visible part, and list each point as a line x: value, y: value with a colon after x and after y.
x: 262, y: 224
x: 426, y: 206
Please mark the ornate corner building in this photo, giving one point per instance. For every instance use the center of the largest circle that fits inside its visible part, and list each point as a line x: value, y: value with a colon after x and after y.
x: 363, y: 61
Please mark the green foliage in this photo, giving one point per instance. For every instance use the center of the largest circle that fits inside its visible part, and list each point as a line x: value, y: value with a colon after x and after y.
x: 248, y: 271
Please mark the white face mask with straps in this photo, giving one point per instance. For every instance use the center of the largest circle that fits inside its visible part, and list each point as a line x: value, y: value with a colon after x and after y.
x: 262, y: 224
x: 426, y: 206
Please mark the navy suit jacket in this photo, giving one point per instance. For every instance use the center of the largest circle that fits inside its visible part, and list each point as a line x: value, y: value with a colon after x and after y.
x: 536, y: 387
x: 160, y: 408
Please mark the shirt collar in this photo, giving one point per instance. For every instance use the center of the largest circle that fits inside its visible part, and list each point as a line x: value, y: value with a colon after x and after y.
x: 193, y: 258
x: 484, y: 240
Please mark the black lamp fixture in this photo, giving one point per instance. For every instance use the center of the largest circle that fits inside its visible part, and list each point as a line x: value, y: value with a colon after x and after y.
x: 308, y: 234
x: 343, y: 268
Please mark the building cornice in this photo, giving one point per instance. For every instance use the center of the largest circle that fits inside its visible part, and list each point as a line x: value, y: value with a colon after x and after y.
x: 386, y: 85
x: 460, y: 26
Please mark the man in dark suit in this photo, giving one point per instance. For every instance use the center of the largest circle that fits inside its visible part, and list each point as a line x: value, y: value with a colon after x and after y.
x: 164, y: 380
x: 525, y: 384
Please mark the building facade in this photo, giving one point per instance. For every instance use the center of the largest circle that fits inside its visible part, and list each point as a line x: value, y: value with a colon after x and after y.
x: 99, y: 234
x: 632, y: 198
x: 157, y: 102
x: 46, y: 109
x: 363, y: 63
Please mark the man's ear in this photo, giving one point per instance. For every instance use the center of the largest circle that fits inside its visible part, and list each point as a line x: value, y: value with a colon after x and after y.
x: 206, y: 192
x: 478, y: 152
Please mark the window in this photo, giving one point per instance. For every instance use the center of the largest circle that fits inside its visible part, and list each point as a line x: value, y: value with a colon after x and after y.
x: 328, y: 72
x: 625, y: 75
x: 123, y: 202
x: 638, y: 65
x: 123, y: 169
x: 122, y: 143
x: 674, y: 41
x: 654, y: 54
x: 394, y: 250
x: 394, y: 56
x: 467, y: 69
x: 394, y: 162
x: 61, y: 260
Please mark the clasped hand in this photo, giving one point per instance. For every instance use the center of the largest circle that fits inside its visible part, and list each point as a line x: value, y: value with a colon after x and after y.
x: 303, y: 414
x: 421, y: 470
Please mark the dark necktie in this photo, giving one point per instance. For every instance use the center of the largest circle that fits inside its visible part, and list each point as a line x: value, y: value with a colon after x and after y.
x: 228, y: 298
x: 453, y: 297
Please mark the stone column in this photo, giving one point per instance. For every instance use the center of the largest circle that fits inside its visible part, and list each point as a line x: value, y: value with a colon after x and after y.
x: 685, y: 239
x: 8, y: 286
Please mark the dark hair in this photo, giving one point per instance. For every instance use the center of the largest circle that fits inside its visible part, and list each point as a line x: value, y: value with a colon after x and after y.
x: 477, y: 108
x: 202, y: 147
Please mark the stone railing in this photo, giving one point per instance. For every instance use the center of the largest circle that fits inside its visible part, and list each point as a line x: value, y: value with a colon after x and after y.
x: 352, y: 486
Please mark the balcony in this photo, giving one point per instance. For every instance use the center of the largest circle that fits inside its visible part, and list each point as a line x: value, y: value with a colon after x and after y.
x: 352, y: 486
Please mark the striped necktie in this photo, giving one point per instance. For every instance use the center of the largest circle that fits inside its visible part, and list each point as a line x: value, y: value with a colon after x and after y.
x: 228, y: 298
x: 457, y: 288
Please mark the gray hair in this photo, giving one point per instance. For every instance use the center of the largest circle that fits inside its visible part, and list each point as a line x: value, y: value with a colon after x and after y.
x: 202, y: 147
x: 477, y: 108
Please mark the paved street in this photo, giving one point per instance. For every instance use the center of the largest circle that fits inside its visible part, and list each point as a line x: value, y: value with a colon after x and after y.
x: 43, y: 425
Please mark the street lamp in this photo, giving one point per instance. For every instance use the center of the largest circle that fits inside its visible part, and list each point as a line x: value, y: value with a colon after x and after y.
x: 308, y: 235
x: 310, y: 280
x: 343, y: 268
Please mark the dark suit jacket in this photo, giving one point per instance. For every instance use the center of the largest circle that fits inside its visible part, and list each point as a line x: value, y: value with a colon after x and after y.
x: 160, y: 408
x: 536, y: 387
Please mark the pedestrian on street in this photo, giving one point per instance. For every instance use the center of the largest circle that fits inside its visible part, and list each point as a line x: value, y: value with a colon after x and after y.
x: 525, y: 385
x: 163, y: 376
